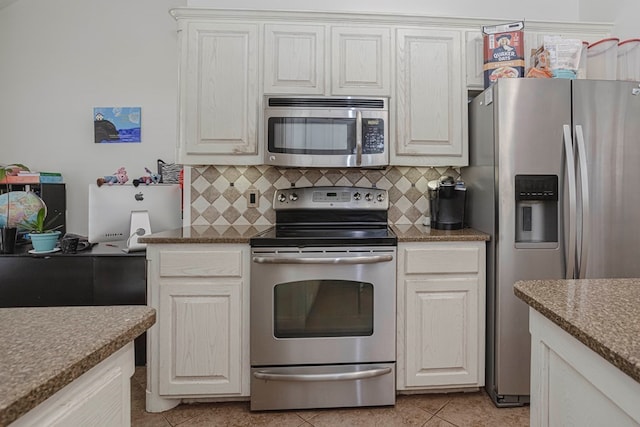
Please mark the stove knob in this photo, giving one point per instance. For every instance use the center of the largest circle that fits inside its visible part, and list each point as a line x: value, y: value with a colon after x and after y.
x: 380, y: 197
x: 368, y: 197
x: 293, y: 197
x: 357, y: 196
x: 282, y: 198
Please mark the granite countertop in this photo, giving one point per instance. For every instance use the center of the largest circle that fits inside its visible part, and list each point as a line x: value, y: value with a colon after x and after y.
x: 42, y: 349
x: 242, y: 234
x: 601, y: 313
x: 206, y: 234
x: 421, y: 233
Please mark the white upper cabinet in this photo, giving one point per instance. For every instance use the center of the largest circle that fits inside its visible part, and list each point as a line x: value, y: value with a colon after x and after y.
x: 475, y: 60
x: 425, y: 65
x: 431, y: 105
x: 218, y: 94
x: 325, y: 60
x: 294, y: 58
x: 360, y: 61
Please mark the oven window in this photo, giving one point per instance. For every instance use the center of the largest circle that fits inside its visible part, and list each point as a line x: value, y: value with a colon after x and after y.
x: 299, y: 135
x: 323, y: 308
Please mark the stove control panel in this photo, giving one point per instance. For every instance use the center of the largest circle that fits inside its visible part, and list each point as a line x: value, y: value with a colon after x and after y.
x: 331, y: 198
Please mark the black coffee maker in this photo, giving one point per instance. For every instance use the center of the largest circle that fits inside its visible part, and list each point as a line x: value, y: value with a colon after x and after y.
x: 447, y: 203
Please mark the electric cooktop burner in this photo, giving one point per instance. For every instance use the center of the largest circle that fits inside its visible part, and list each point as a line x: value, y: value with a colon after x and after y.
x: 328, y: 216
x: 325, y: 237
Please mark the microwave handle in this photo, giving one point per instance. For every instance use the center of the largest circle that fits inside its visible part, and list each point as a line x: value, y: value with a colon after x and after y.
x: 358, y: 137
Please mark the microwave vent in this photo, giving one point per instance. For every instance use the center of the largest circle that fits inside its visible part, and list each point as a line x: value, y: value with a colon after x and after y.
x: 371, y: 103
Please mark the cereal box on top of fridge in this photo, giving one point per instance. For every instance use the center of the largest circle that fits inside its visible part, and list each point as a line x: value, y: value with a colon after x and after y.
x: 503, y: 51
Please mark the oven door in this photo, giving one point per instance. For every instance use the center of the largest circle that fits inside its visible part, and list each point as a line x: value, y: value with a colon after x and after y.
x: 323, y: 305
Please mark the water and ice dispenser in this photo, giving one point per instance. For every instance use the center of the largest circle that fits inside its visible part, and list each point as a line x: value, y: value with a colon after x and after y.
x: 536, y: 209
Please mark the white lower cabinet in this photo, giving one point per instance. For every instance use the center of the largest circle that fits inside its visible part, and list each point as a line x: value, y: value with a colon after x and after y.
x: 200, y: 352
x: 441, y: 315
x: 199, y: 347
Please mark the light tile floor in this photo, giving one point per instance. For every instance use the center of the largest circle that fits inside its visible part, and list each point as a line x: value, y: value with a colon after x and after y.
x: 426, y: 410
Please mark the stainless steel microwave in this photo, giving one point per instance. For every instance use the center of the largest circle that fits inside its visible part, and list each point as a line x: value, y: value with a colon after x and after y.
x: 329, y: 132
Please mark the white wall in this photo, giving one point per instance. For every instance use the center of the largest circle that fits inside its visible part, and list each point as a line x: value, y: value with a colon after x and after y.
x: 518, y: 10
x: 624, y: 13
x: 59, y: 59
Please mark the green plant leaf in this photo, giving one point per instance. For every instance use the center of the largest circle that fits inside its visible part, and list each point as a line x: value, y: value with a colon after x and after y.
x: 38, y: 225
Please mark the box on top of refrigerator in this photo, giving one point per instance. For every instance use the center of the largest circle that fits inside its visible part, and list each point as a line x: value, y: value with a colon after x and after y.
x: 503, y: 51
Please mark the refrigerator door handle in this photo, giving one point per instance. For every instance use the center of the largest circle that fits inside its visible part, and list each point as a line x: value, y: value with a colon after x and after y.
x: 571, y: 178
x: 584, y: 193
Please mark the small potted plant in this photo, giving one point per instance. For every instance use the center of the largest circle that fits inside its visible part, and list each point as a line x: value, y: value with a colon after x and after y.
x: 42, y: 237
x: 8, y: 233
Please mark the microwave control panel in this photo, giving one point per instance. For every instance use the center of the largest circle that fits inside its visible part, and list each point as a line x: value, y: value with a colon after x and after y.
x: 372, y: 136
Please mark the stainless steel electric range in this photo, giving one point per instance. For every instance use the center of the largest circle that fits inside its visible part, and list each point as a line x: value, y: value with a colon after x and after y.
x: 323, y: 301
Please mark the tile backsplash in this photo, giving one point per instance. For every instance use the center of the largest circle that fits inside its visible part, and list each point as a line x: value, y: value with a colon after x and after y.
x: 219, y: 194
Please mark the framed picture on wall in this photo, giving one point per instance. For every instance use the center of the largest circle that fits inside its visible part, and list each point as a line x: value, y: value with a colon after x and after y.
x: 116, y: 124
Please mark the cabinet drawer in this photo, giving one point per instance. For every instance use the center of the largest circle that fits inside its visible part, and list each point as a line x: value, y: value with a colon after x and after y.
x: 441, y: 260
x: 201, y: 263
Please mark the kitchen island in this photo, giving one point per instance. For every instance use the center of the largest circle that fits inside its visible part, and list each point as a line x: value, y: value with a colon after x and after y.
x: 71, y: 364
x: 585, y: 357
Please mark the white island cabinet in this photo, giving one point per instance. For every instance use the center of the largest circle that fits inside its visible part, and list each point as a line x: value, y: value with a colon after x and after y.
x: 100, y: 397
x: 441, y: 315
x: 573, y: 386
x: 200, y: 348
x: 68, y: 366
x: 585, y: 351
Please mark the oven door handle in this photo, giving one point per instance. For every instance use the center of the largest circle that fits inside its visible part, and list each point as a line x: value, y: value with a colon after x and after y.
x: 343, y: 376
x: 338, y: 260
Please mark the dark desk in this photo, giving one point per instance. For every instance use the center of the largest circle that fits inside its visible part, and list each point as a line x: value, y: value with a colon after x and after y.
x: 102, y: 275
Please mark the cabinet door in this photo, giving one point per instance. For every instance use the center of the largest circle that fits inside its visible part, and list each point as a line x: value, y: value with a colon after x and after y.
x: 360, y: 61
x: 474, y: 56
x: 25, y: 281
x: 441, y: 344
x: 99, y: 397
x: 431, y: 105
x: 200, y: 338
x: 294, y: 59
x: 441, y: 315
x: 219, y: 94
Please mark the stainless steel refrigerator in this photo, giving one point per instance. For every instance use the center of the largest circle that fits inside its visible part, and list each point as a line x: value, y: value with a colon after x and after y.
x: 553, y: 177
